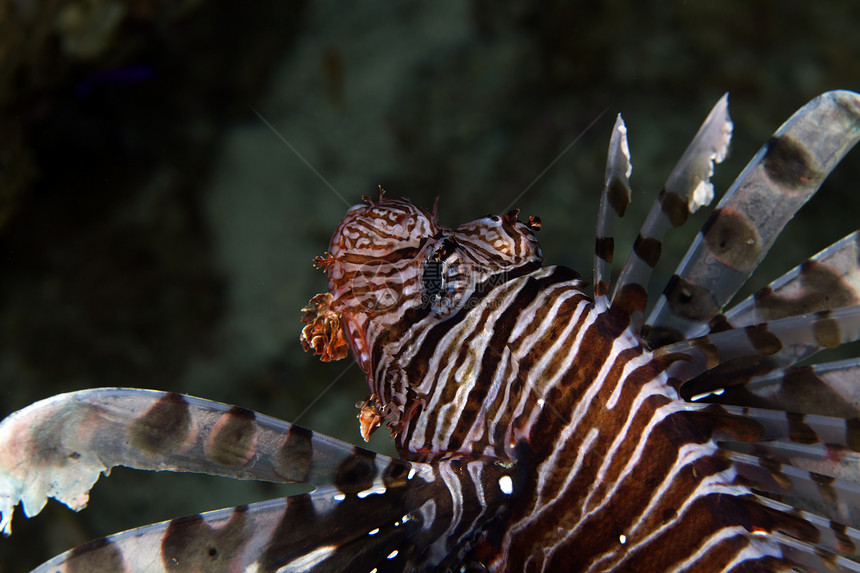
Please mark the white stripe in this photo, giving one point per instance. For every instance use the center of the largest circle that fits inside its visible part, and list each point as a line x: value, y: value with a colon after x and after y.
x: 714, y: 484
x: 478, y: 337
x: 549, y: 469
x: 688, y: 454
x: 653, y: 388
x: 495, y: 394
x: 757, y: 549
x: 659, y: 415
x: 537, y: 384
x: 631, y: 365
x: 689, y: 564
x: 309, y: 560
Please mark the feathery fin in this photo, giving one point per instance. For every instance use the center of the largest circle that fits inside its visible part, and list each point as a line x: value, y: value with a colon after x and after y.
x: 613, y: 203
x: 687, y: 188
x: 58, y: 447
x: 782, y: 176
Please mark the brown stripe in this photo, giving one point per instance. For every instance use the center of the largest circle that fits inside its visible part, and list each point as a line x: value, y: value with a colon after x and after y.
x: 193, y: 545
x: 665, y: 551
x: 357, y: 472
x: 732, y: 238
x: 618, y: 194
x: 300, y: 520
x: 825, y: 486
x: 774, y: 469
x: 389, y: 256
x: 232, y: 438
x: 163, y: 427
x: 822, y: 289
x: 852, y: 434
x: 789, y: 165
x: 657, y: 336
x: 763, y: 340
x: 719, y: 323
x: 294, y: 459
x: 431, y: 343
x: 631, y: 298
x: 501, y: 330
x: 395, y: 474
x: 630, y: 500
x: 604, y: 247
x: 827, y: 331
x: 827, y: 557
x: 844, y: 544
x: 648, y: 249
x: 563, y: 315
x: 710, y: 351
x: 97, y: 556
x: 690, y: 300
x: 799, y: 431
x: 675, y: 207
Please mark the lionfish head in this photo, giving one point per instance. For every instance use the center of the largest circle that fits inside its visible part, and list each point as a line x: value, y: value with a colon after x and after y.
x: 390, y: 265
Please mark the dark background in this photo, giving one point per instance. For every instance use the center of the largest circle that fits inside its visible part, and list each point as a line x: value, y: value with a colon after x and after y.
x: 155, y: 232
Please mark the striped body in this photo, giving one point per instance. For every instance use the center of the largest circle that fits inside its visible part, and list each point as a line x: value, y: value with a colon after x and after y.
x: 616, y: 469
x: 539, y: 428
x: 532, y: 373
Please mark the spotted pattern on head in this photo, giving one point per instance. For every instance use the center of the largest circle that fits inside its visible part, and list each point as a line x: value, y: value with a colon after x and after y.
x: 389, y: 265
x: 380, y: 252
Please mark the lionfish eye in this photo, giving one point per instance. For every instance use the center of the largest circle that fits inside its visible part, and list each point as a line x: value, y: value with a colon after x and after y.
x: 433, y: 273
x: 431, y: 278
x: 447, y: 248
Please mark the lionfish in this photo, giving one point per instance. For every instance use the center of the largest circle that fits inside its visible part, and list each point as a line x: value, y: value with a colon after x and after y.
x: 538, y: 428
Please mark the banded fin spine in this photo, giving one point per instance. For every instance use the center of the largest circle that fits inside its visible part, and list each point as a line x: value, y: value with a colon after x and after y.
x: 830, y: 546
x: 411, y: 514
x: 613, y: 203
x: 402, y: 522
x: 58, y: 447
x: 687, y: 188
x: 723, y: 356
x: 830, y: 279
x: 833, y: 498
x: 779, y: 180
x: 828, y: 389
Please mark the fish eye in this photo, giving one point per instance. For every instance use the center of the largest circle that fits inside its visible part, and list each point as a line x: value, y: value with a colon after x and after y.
x: 433, y: 274
x: 432, y: 279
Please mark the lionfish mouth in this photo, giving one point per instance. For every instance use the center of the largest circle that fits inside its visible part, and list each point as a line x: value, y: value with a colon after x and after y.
x: 357, y: 340
x: 329, y: 333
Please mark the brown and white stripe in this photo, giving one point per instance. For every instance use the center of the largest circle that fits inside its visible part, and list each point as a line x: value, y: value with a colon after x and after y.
x: 539, y: 429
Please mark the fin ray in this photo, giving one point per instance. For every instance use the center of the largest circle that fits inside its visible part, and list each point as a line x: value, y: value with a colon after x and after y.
x: 613, y: 203
x: 776, y: 183
x: 723, y: 357
x: 827, y: 389
x: 687, y: 188
x: 826, y: 281
x: 58, y: 447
